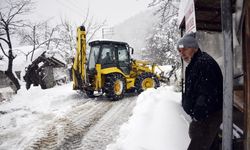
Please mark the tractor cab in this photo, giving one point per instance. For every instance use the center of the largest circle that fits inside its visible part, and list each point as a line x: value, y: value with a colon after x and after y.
x: 109, y: 54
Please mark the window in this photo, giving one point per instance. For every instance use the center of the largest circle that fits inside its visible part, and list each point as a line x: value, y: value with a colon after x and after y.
x: 107, y: 56
x: 123, y: 54
x: 93, y: 56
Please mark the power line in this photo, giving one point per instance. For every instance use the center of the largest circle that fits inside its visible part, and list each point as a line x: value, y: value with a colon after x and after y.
x: 76, y: 4
x: 73, y: 9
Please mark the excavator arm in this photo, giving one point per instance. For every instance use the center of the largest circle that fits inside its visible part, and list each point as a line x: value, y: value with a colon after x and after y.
x: 79, y: 66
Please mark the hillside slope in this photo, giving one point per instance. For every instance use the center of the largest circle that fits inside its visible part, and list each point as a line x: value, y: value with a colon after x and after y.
x: 135, y: 30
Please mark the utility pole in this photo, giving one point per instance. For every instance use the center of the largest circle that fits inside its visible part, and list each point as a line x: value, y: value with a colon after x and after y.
x: 107, y: 32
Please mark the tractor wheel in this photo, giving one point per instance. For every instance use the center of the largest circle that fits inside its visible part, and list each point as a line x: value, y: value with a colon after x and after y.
x: 114, y: 86
x: 90, y: 93
x: 146, y: 80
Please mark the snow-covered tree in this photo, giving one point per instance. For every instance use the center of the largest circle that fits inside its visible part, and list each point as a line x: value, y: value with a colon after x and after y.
x: 10, y: 22
x: 165, y: 9
x: 161, y: 45
x: 65, y: 42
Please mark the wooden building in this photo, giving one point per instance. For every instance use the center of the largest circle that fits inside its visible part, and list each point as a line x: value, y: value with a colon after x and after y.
x: 43, y: 72
x: 228, y: 21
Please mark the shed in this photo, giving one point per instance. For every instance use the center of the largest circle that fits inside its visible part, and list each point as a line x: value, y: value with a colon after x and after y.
x: 44, y: 72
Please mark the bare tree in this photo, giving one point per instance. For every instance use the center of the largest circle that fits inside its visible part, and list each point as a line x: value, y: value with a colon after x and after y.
x: 37, y: 35
x: 9, y: 23
x: 50, y: 35
x: 92, y: 26
x: 66, y: 42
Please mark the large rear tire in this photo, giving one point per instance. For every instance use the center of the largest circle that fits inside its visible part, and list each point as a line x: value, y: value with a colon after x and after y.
x: 114, y: 86
x: 146, y: 80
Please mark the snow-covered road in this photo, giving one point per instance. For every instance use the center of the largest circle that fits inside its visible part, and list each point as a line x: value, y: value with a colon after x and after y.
x: 91, y: 125
x: 61, y: 119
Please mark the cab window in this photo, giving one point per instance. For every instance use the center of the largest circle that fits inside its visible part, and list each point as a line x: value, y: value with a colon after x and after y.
x: 123, y: 54
x: 107, y: 56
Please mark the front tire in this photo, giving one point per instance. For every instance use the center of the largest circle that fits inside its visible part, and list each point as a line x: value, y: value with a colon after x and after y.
x: 146, y: 80
x: 114, y: 86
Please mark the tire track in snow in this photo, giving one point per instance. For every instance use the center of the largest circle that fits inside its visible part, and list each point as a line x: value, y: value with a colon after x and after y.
x: 67, y: 132
x: 107, y: 128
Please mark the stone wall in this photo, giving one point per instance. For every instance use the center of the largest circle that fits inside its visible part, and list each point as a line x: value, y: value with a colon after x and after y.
x: 6, y: 87
x: 4, y: 80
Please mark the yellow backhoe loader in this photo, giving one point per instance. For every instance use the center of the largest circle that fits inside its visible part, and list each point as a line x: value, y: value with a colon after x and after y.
x: 109, y: 69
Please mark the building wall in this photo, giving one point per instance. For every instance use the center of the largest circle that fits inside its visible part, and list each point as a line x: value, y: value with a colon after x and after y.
x: 212, y: 43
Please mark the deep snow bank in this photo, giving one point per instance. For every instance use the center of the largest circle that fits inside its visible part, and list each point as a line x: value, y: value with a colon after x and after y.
x: 158, y: 123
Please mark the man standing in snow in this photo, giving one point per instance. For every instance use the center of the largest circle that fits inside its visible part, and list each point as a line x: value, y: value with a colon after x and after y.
x: 203, y: 95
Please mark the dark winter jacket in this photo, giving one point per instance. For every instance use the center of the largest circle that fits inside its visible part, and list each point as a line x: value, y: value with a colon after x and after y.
x: 203, y: 86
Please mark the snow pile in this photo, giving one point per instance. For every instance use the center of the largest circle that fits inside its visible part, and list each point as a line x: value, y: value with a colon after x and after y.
x: 165, y: 68
x: 158, y: 123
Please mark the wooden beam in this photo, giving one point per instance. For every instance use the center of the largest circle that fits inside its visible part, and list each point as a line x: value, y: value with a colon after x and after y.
x: 226, y: 20
x: 199, y: 7
x: 209, y: 22
x: 208, y: 27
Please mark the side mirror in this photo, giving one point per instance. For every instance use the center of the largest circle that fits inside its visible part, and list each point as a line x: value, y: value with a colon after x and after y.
x: 131, y: 49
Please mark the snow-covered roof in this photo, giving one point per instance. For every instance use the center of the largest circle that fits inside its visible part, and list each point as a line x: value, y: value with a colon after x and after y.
x: 108, y: 40
x: 56, y: 55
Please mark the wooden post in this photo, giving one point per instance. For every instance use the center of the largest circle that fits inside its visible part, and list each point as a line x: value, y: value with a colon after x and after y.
x: 182, y: 69
x: 226, y: 19
x: 246, y: 48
